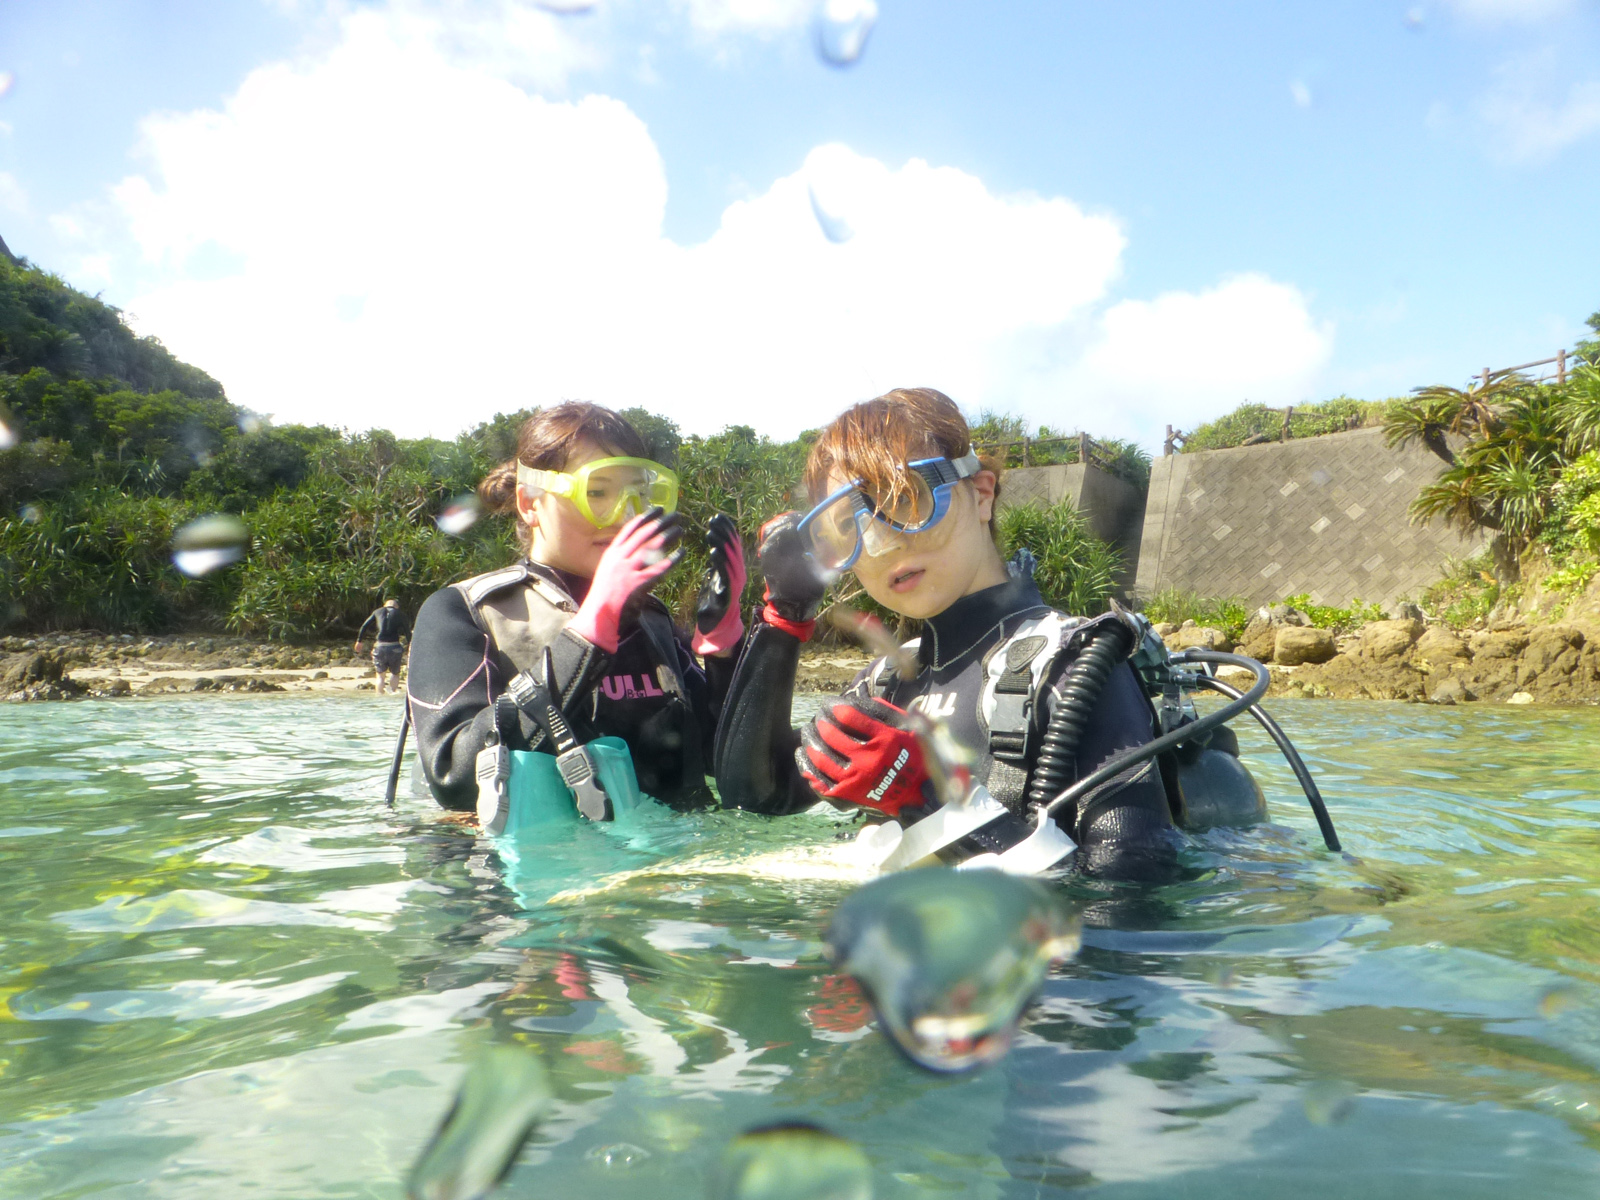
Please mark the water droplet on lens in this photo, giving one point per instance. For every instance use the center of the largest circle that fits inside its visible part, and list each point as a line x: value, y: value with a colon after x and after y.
x: 842, y: 27
x: 1415, y: 18
x: 7, y: 438
x: 837, y: 184
x: 6, y: 80
x: 619, y: 1156
x: 493, y: 1114
x: 1330, y: 1101
x: 792, y: 1162
x: 207, y: 543
x: 31, y: 514
x: 458, y: 516
x: 950, y: 959
x: 250, y: 423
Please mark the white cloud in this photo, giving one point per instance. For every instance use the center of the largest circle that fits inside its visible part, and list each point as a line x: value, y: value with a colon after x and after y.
x: 413, y: 242
x: 1495, y: 12
x: 13, y: 200
x: 1530, y: 119
x: 1185, y: 357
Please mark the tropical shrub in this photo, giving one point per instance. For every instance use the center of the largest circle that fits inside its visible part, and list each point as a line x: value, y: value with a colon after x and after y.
x: 1334, y: 618
x: 1076, y: 571
x: 1174, y: 605
x: 1256, y: 422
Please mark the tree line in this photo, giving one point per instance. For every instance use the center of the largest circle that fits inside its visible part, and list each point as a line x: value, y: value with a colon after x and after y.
x: 109, y: 445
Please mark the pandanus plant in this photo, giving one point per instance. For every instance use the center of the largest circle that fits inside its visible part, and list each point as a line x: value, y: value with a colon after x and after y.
x: 1518, y: 437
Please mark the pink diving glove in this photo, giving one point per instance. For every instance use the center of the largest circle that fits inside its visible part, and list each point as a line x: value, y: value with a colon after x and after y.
x: 639, y: 555
x: 717, y: 623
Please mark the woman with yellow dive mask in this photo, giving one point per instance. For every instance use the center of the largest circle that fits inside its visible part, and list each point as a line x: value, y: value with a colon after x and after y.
x: 573, y: 625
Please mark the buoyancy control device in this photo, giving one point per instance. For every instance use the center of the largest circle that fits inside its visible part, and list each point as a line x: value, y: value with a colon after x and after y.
x: 1207, y: 785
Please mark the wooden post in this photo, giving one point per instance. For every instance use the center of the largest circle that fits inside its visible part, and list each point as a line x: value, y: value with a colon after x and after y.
x: 1166, y: 446
x: 1484, y: 378
x: 1561, y: 366
x: 1287, y: 414
x: 1024, y: 451
x: 1083, y: 448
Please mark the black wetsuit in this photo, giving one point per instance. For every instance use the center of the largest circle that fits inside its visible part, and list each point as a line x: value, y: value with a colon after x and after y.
x: 392, y: 625
x: 1124, y: 828
x: 667, y: 717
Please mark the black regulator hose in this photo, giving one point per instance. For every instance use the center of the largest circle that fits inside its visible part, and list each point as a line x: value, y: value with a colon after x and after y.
x: 1296, y: 763
x: 1178, y: 736
x: 1078, y: 690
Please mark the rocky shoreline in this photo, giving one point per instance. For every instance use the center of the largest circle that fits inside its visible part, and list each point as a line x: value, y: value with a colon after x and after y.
x: 72, y: 666
x: 1408, y: 658
x: 75, y: 666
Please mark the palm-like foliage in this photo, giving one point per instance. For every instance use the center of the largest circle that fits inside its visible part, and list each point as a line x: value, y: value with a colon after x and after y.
x: 1580, y: 411
x: 1435, y: 412
x: 1504, y: 478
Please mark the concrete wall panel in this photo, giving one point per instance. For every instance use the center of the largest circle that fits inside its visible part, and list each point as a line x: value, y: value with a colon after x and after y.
x: 1326, y: 515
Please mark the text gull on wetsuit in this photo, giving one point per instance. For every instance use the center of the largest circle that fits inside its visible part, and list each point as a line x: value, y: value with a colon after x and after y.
x: 473, y: 636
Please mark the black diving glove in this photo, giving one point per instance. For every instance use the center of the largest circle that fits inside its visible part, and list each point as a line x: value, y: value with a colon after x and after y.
x: 717, y: 621
x: 794, y: 585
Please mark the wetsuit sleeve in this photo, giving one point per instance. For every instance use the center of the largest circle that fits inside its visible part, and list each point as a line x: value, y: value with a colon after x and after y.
x: 755, y: 744
x: 1124, y: 827
x: 450, y: 688
x: 402, y: 625
x: 361, y: 634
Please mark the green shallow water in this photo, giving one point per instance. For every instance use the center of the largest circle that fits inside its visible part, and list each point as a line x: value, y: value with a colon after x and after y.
x: 229, y: 970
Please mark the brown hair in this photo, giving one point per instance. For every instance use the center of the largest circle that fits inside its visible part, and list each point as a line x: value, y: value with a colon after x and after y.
x: 545, y: 442
x: 874, y: 440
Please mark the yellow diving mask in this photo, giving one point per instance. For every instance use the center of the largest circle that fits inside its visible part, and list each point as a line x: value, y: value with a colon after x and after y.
x: 606, y: 491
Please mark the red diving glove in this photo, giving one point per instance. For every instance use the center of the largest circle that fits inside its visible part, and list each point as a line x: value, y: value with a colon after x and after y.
x: 864, y: 752
x: 642, y: 552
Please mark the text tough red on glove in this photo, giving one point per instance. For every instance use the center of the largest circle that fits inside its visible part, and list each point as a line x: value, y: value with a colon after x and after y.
x: 864, y: 752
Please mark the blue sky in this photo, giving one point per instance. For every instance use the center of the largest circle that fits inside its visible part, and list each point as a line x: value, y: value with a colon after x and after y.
x: 415, y: 213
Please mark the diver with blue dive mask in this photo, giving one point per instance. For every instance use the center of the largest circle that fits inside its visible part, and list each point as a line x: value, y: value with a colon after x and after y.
x: 1038, y: 703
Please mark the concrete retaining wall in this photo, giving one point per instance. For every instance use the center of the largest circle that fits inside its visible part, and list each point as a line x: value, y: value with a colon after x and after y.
x: 1325, y: 515
x: 1113, y: 507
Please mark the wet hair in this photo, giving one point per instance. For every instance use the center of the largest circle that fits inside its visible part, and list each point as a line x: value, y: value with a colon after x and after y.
x: 546, y: 441
x: 875, y: 440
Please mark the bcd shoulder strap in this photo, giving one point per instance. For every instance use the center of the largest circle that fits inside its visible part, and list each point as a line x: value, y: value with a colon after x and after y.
x: 1017, y: 673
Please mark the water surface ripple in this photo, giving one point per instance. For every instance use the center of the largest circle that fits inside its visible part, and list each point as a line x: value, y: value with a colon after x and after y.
x: 229, y: 970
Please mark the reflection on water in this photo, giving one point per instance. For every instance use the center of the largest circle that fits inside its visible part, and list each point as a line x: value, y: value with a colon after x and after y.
x: 229, y: 970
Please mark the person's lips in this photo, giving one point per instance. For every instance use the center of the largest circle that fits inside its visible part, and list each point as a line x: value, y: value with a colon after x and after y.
x: 906, y: 578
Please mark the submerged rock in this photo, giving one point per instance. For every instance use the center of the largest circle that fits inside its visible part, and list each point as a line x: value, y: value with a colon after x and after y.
x: 950, y: 959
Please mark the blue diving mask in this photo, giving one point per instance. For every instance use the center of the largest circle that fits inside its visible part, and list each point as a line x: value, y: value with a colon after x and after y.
x: 850, y: 519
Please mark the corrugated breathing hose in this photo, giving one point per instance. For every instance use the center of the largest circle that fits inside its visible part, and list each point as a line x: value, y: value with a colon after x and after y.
x: 1080, y: 686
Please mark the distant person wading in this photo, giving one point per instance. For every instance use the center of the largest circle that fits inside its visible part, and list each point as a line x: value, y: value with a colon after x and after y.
x: 392, y: 628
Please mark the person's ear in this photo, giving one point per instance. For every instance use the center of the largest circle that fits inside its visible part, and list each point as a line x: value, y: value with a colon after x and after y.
x: 984, y: 484
x: 527, y: 513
